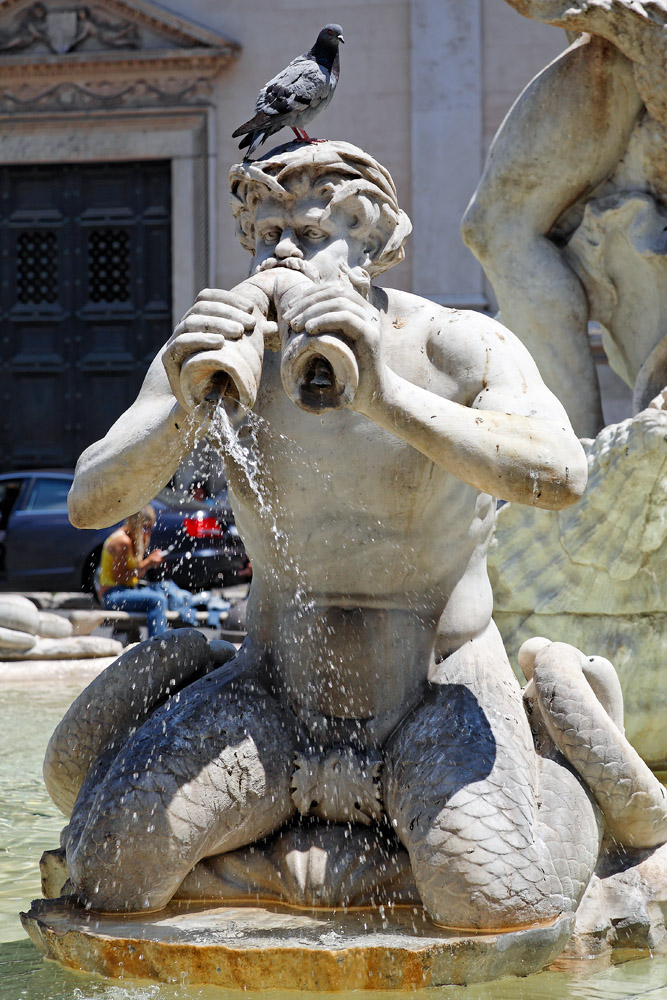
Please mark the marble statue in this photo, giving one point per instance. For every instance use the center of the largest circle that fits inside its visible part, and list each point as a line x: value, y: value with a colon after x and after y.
x: 372, y: 711
x: 568, y: 220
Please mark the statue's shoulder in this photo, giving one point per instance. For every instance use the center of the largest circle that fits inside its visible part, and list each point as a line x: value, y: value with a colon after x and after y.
x: 414, y: 311
x: 450, y: 332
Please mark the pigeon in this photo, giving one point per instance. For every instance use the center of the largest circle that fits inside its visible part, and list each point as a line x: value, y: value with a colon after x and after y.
x: 293, y: 98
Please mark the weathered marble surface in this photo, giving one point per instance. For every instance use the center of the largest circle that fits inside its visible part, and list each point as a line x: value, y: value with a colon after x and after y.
x: 268, y: 946
x: 567, y: 220
x: 596, y: 574
x: 619, y: 252
x: 265, y: 946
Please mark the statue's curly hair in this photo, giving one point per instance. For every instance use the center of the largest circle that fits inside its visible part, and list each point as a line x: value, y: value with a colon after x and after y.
x: 351, y: 178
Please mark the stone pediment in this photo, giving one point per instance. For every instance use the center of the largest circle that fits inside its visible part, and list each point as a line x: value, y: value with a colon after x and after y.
x: 70, y: 55
x: 45, y: 36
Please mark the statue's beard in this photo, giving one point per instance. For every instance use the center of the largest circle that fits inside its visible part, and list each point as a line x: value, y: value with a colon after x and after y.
x: 292, y: 264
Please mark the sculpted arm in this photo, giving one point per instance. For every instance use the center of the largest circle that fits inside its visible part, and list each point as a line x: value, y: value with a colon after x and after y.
x: 619, y: 21
x: 513, y: 441
x: 121, y: 473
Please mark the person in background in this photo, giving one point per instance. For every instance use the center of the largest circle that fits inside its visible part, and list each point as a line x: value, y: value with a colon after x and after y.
x: 123, y: 565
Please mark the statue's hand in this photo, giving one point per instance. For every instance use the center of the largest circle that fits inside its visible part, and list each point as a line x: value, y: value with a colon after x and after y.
x: 338, y: 308
x: 216, y: 316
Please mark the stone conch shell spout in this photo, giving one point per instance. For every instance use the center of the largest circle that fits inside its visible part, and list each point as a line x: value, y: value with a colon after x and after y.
x: 317, y: 373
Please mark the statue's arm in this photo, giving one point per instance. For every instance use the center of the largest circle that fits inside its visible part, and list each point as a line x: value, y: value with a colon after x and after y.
x: 514, y: 441
x: 509, y: 442
x: 140, y: 453
x: 121, y: 473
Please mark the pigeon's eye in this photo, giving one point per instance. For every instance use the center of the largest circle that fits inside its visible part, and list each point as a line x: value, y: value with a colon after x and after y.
x: 330, y: 31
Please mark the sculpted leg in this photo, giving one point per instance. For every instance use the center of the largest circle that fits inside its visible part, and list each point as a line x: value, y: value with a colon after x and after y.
x: 564, y: 136
x: 461, y: 790
x: 208, y: 772
x: 115, y: 704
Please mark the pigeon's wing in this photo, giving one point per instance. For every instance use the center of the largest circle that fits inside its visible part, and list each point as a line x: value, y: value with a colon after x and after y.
x: 303, y: 84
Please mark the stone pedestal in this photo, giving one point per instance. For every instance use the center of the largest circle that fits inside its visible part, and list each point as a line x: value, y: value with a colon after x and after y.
x: 269, y: 946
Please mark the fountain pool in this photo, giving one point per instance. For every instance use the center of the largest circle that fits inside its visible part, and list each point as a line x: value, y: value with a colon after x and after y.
x: 30, y: 823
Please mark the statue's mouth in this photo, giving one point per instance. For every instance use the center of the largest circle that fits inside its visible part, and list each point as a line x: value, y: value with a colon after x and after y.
x: 292, y: 264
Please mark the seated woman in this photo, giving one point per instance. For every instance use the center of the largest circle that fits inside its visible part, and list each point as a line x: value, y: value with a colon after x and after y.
x: 123, y: 564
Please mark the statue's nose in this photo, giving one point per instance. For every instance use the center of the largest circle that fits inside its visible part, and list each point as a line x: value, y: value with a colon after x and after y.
x: 287, y: 247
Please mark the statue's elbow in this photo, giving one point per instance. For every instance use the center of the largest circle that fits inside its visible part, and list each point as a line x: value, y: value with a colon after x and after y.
x: 82, y: 511
x: 75, y: 511
x: 571, y: 483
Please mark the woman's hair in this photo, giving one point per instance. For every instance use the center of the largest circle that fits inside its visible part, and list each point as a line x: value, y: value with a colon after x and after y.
x: 136, y: 525
x: 352, y: 180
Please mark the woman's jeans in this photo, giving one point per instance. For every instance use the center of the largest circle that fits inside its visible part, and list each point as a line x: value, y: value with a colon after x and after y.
x: 155, y: 599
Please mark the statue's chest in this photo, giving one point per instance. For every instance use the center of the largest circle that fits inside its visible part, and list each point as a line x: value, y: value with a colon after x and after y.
x: 338, y: 458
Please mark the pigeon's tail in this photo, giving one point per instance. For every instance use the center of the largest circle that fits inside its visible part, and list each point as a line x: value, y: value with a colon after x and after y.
x: 255, y: 131
x: 261, y: 120
x: 253, y: 140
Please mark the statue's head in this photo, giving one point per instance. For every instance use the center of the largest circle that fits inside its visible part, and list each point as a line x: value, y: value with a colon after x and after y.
x: 318, y: 208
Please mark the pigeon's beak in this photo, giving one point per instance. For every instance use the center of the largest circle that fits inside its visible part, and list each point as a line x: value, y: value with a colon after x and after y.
x: 341, y: 39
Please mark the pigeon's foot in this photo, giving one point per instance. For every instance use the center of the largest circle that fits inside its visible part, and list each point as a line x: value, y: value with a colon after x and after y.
x: 303, y: 136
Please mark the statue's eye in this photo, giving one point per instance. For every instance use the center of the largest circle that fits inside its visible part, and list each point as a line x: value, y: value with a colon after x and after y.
x: 271, y: 236
x: 312, y: 233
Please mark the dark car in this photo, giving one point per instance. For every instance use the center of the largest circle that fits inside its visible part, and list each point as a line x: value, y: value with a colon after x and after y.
x: 198, y: 538
x: 40, y: 550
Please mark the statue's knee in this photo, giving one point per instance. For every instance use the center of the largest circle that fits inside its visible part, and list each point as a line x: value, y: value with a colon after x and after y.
x: 114, y: 869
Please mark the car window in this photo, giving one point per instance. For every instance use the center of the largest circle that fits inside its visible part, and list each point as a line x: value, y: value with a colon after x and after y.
x: 9, y: 491
x: 49, y: 494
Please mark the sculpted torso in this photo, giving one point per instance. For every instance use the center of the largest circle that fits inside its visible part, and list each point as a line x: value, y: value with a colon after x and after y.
x: 372, y: 533
x: 370, y: 640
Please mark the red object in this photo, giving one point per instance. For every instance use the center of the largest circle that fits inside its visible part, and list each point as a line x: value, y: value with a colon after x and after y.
x: 202, y: 527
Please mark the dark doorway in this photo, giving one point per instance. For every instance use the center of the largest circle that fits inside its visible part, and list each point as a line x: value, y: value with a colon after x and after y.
x: 85, y: 301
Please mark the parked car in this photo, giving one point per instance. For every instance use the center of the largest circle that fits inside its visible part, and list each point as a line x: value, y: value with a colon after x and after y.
x: 199, y: 539
x: 41, y: 550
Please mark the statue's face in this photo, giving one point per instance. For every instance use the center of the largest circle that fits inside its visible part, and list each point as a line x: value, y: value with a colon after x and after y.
x: 298, y: 236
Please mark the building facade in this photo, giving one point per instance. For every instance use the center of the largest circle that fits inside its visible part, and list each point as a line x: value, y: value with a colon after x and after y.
x: 115, y: 145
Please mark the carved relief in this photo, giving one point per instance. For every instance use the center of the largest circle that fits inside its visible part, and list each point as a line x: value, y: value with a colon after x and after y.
x: 52, y: 57
x: 71, y: 96
x: 64, y: 29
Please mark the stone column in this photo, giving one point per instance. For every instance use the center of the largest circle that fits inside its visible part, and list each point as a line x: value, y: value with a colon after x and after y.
x: 446, y: 47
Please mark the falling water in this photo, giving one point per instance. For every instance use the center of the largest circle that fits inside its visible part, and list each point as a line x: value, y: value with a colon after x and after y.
x: 224, y: 435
